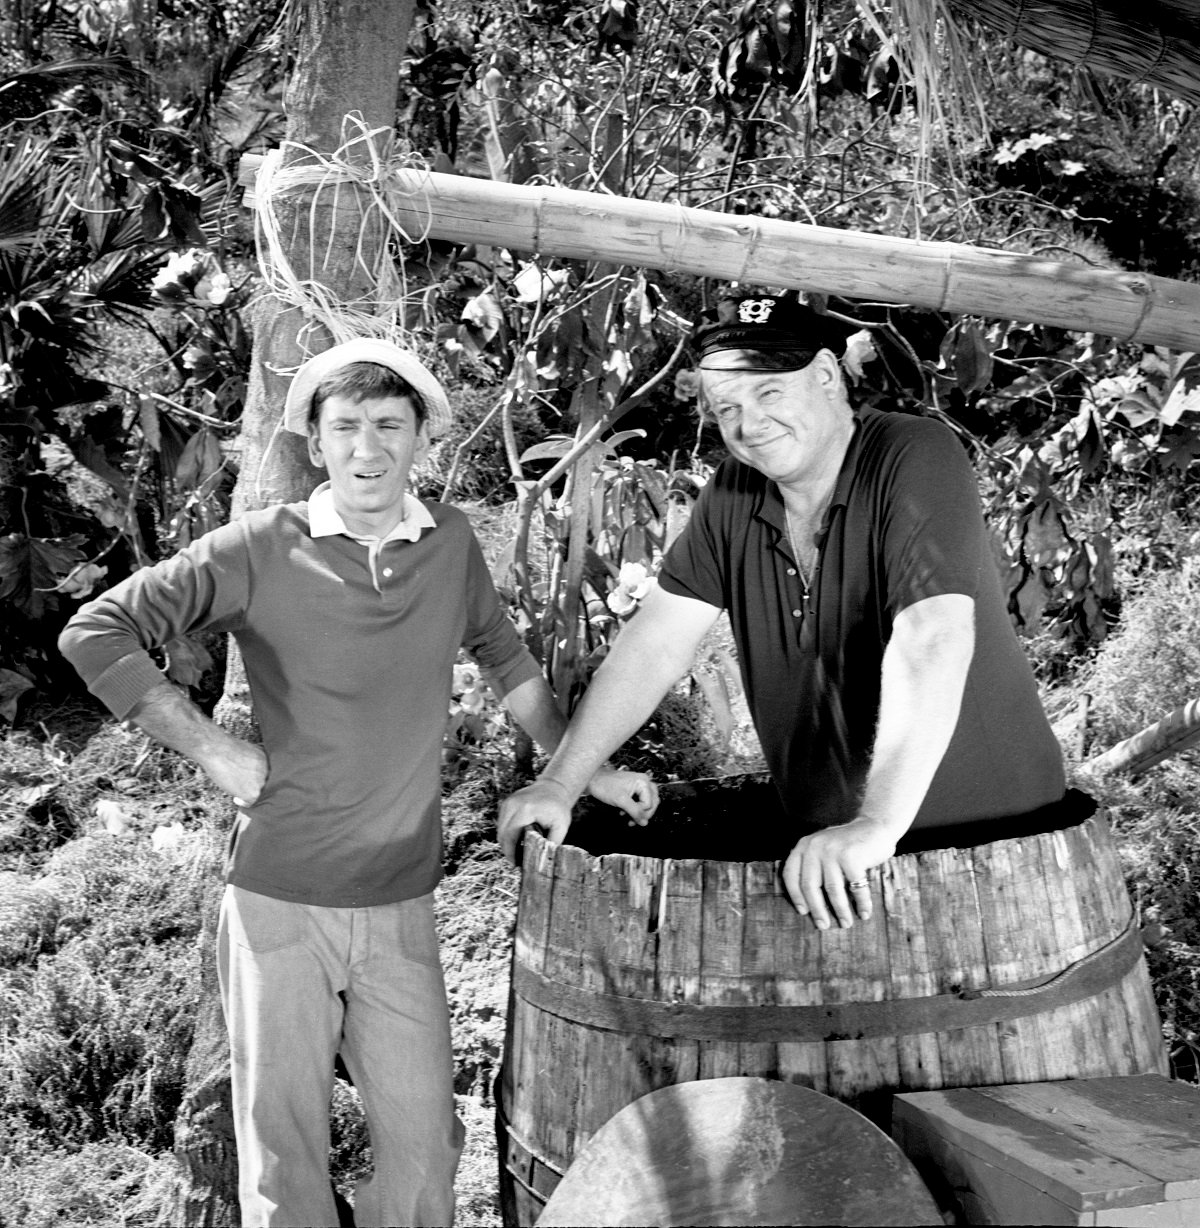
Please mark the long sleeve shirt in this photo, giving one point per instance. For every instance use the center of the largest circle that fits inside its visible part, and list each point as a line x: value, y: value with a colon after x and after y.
x: 349, y: 646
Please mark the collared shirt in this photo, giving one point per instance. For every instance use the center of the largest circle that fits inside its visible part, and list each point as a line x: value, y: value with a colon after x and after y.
x: 904, y: 524
x: 324, y: 520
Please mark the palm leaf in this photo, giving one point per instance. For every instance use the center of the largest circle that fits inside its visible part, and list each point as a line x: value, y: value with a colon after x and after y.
x: 31, y: 91
x: 23, y: 176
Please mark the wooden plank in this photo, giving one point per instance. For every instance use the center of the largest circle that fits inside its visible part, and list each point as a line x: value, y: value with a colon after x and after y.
x: 1106, y: 910
x: 677, y: 912
x: 798, y: 958
x: 1146, y: 1121
x: 855, y: 969
x: 526, y: 1050
x: 947, y: 277
x: 1142, y: 1048
x: 918, y: 1057
x: 723, y: 915
x: 764, y: 909
x: 1149, y: 1046
x: 594, y: 1062
x: 1018, y: 945
x: 954, y: 940
x: 1184, y: 1214
x: 1068, y: 1169
x: 555, y: 1103
x: 986, y: 1193
x: 643, y: 916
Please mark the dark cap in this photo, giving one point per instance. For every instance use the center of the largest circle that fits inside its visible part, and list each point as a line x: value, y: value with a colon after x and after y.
x: 768, y: 323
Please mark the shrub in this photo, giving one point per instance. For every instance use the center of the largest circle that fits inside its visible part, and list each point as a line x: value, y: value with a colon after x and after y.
x: 1151, y: 664
x: 96, y: 1186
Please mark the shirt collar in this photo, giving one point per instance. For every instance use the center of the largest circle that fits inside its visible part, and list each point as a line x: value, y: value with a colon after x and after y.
x: 324, y: 520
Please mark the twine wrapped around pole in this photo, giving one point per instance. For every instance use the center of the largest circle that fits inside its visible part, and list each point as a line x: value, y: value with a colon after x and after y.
x: 345, y: 197
x: 949, y: 277
x: 292, y: 170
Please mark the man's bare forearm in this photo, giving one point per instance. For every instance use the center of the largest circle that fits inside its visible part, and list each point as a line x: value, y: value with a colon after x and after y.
x: 234, y: 765
x: 924, y: 673
x: 650, y: 655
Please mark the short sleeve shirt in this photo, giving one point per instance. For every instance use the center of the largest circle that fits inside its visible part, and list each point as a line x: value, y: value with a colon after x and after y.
x: 904, y: 524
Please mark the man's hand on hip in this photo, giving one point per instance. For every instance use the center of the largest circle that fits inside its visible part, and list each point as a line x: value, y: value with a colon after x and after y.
x: 633, y: 792
x: 240, y: 769
x: 828, y: 870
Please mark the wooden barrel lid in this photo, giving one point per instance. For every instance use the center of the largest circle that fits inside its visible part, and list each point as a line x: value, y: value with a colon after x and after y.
x: 739, y: 1151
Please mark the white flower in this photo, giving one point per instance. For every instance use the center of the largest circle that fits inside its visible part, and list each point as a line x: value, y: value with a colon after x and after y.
x: 687, y: 385
x: 633, y: 583
x: 82, y: 580
x: 215, y: 289
x: 534, y: 283
x: 860, y: 350
x: 466, y: 677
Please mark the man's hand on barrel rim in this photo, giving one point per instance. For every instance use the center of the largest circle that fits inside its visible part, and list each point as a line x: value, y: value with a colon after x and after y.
x: 546, y: 804
x: 828, y: 871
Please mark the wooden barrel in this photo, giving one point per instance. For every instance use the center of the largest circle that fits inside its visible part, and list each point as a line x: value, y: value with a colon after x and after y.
x: 1016, y: 961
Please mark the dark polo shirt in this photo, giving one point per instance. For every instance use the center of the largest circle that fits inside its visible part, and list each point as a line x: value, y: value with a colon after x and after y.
x: 904, y: 524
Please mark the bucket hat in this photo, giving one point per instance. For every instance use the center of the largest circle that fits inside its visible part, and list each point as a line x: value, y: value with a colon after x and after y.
x: 404, y: 363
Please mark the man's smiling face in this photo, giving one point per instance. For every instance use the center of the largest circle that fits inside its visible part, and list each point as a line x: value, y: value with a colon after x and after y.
x: 786, y: 424
x: 368, y: 448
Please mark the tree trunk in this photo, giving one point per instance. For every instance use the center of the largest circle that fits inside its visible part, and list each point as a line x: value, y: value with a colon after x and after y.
x: 348, y: 55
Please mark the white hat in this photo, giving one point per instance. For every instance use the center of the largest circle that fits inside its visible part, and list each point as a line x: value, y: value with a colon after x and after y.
x: 365, y: 349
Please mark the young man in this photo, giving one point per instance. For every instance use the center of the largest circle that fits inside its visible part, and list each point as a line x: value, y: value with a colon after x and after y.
x: 349, y: 610
x: 888, y: 688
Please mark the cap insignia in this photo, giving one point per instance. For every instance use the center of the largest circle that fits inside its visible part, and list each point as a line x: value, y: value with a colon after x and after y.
x: 755, y: 310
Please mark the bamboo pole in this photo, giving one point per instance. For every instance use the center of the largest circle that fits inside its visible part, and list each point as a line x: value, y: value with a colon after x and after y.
x: 1152, y: 745
x: 949, y: 277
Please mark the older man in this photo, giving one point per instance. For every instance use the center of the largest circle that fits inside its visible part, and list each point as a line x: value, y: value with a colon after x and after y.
x: 349, y: 610
x: 888, y: 689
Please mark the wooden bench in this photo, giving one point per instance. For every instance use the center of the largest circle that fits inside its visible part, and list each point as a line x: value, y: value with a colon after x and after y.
x: 1122, y: 1151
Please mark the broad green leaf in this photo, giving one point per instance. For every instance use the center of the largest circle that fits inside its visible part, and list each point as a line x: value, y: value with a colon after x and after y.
x: 12, y: 687
x: 553, y: 448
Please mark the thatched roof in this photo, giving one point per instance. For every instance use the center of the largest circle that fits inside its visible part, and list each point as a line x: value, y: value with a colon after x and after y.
x: 1156, y: 42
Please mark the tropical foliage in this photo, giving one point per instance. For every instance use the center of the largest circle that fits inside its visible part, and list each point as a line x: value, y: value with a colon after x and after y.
x: 122, y: 126
x: 114, y: 211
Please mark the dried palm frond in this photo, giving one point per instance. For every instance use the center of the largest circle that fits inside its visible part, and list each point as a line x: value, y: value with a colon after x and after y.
x: 1156, y: 42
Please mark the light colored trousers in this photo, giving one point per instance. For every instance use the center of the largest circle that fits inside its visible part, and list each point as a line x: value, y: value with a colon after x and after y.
x: 300, y: 984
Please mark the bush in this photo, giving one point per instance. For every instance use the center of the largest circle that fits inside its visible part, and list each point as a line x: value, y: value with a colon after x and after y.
x: 1147, y: 668
x: 96, y: 1186
x: 1151, y: 665
x: 96, y: 1031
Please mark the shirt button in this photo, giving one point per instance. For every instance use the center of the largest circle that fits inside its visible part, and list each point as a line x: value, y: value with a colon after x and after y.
x: 387, y: 571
